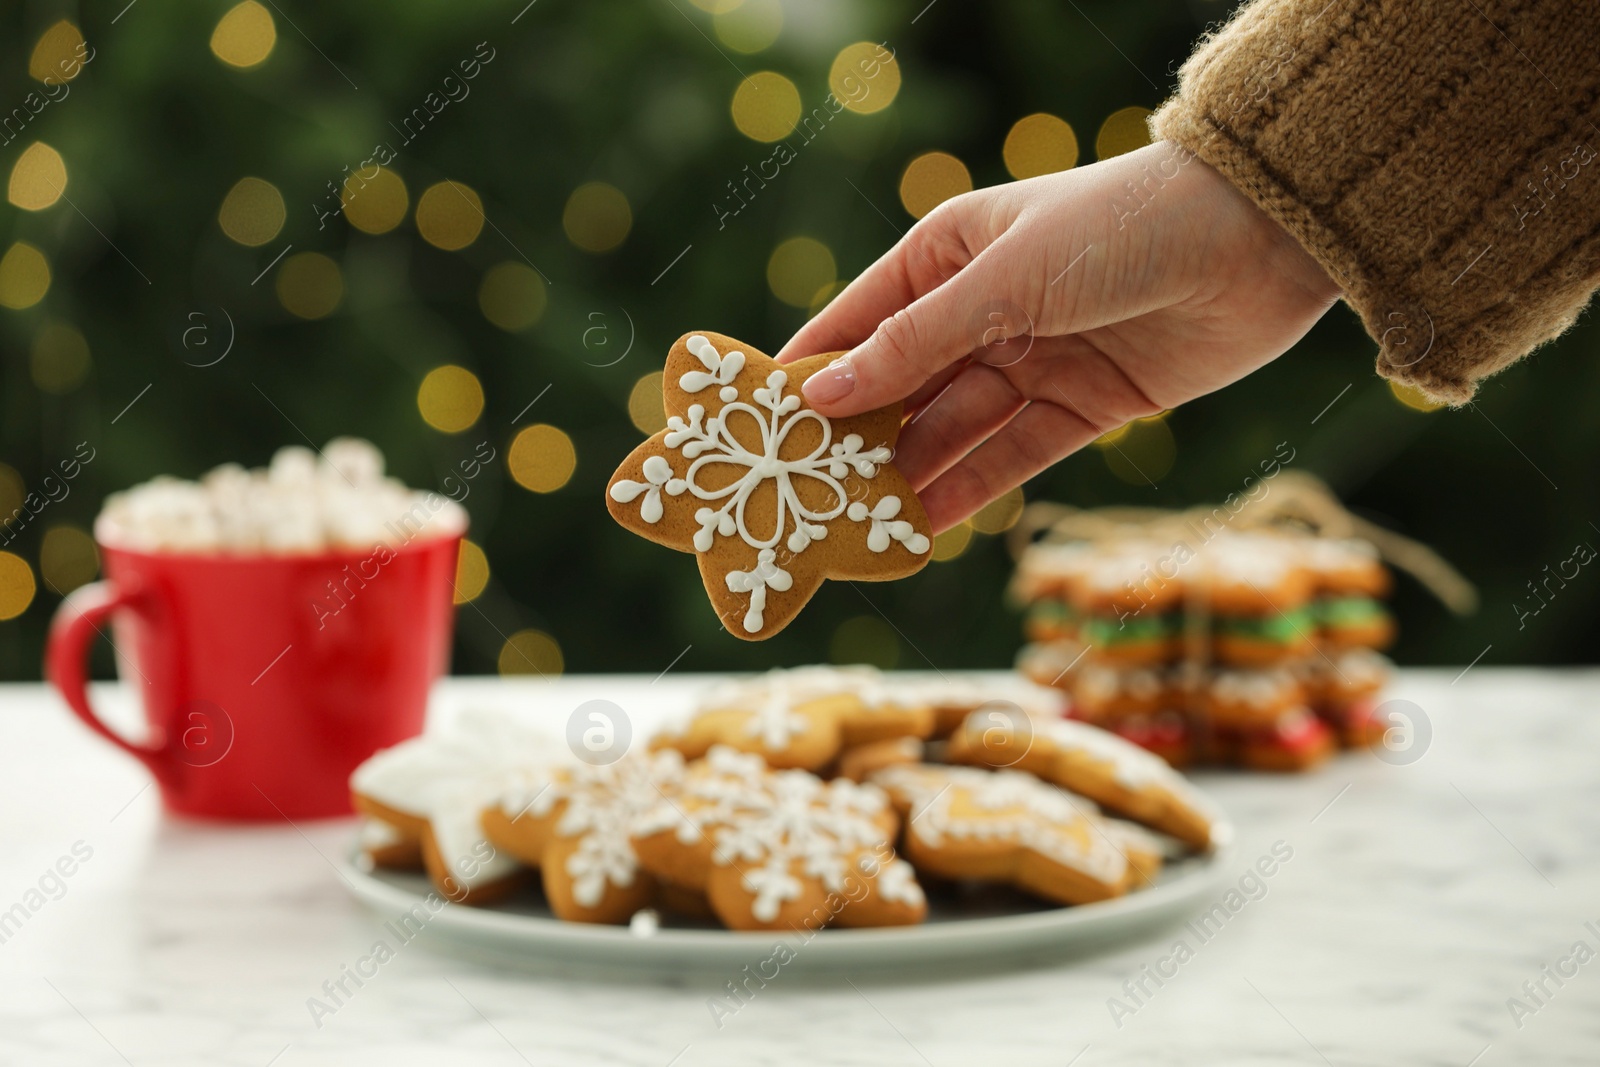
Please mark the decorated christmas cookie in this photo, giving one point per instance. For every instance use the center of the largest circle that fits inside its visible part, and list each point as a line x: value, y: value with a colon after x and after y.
x: 1117, y: 774
x: 422, y: 798
x: 802, y: 717
x: 780, y: 850
x: 1008, y: 826
x: 771, y: 496
x: 574, y: 823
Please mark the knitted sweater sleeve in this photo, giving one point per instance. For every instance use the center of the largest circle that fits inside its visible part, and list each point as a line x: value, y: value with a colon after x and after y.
x: 1437, y: 158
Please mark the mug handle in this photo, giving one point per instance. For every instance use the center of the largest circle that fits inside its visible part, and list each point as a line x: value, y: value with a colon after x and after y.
x: 76, y: 623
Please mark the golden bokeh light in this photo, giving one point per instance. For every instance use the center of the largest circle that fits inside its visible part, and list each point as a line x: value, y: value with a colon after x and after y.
x: 799, y: 269
x: 377, y: 204
x: 952, y: 542
x: 252, y: 213
x: 1414, y: 398
x: 58, y: 57
x: 59, y: 358
x: 310, y: 285
x: 531, y: 652
x: 449, y: 215
x: 512, y: 296
x: 1123, y: 131
x: 645, y: 406
x: 864, y: 77
x: 1040, y: 144
x: 38, y: 178
x: 24, y: 276
x: 1000, y: 515
x: 17, y: 586
x: 597, y: 217
x: 11, y: 493
x: 542, y: 458
x: 865, y: 639
x: 1142, y: 452
x: 930, y: 180
x: 244, y: 37
x: 450, y: 398
x: 67, y: 559
x: 750, y: 27
x: 472, y: 572
x: 766, y: 106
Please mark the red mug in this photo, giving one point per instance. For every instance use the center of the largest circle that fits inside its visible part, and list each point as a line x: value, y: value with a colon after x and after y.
x: 265, y: 679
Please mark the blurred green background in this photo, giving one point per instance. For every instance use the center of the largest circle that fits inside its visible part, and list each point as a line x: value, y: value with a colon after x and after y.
x: 553, y: 209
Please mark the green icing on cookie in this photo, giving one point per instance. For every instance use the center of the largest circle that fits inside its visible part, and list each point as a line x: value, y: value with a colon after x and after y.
x: 1283, y: 628
x: 1131, y: 629
x: 1350, y: 611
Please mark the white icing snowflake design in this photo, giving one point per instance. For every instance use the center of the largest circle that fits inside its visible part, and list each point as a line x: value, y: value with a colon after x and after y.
x: 774, y: 826
x: 705, y: 441
x: 603, y: 806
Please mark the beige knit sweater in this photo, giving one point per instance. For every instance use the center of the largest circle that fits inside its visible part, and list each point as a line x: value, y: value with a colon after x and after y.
x: 1437, y: 157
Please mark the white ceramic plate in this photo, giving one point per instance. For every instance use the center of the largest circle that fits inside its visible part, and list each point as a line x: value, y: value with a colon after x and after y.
x: 975, y: 925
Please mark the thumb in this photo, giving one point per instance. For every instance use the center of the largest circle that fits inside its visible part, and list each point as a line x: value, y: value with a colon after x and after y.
x: 915, y: 343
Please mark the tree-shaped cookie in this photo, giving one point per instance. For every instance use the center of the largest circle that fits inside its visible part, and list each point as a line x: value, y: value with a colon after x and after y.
x: 771, y: 496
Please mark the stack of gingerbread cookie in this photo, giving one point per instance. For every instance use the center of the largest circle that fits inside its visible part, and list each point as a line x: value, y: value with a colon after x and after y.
x: 1256, y: 648
x: 793, y: 801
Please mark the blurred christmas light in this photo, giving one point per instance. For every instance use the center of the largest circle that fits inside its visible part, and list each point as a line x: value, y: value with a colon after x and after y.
x: 59, y: 359
x: 450, y: 398
x: 377, y: 204
x: 449, y: 215
x: 67, y: 559
x: 24, y: 276
x: 1124, y: 130
x: 1040, y: 144
x: 58, y: 55
x: 472, y: 572
x: 310, y: 285
x: 930, y: 180
x: 766, y: 106
x: 749, y: 27
x: 645, y: 406
x: 252, y: 213
x: 17, y: 586
x: 1000, y: 515
x: 531, y: 652
x: 38, y: 178
x: 798, y: 269
x: 1142, y: 452
x: 864, y: 77
x: 512, y: 296
x: 542, y: 458
x: 1414, y: 398
x: 952, y: 542
x: 597, y: 217
x: 245, y: 36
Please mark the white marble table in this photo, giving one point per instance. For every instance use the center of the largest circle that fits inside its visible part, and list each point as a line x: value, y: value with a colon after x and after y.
x: 1418, y: 900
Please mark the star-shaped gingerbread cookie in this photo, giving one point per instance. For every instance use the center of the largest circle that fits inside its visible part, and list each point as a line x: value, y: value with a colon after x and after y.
x: 770, y: 495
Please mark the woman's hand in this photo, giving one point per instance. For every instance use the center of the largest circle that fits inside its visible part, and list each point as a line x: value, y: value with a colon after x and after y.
x: 1021, y: 322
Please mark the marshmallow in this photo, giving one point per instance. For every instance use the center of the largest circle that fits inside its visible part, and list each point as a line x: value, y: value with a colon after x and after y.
x: 298, y: 504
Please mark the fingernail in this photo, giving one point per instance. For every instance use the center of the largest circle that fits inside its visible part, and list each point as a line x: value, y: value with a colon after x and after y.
x: 834, y: 382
